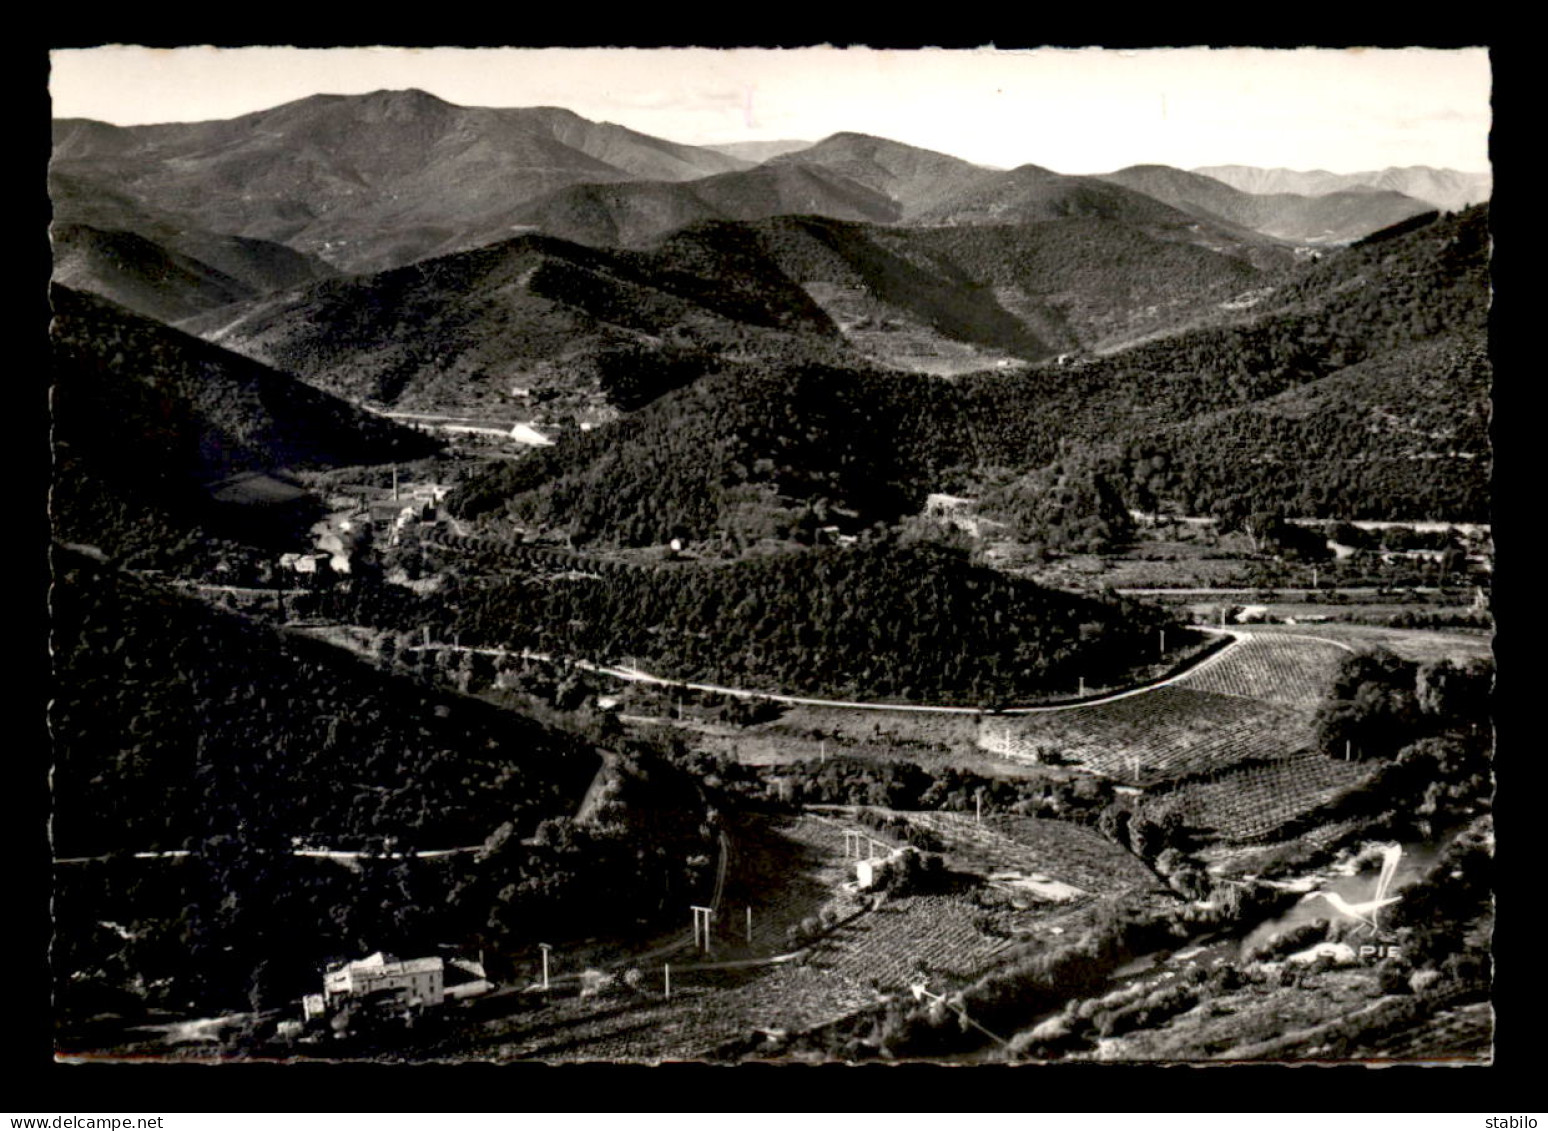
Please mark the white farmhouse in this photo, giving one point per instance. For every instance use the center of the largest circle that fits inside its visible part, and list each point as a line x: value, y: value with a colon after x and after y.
x: 416, y: 981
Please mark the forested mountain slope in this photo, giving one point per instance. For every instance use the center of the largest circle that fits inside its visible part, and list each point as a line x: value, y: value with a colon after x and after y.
x: 467, y: 327
x: 871, y: 621
x: 716, y: 457
x: 1404, y: 435
x: 151, y: 425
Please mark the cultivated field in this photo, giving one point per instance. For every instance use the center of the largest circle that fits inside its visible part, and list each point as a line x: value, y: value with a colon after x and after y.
x: 1409, y: 643
x: 1253, y: 703
x: 1253, y: 800
x: 1167, y: 733
x: 1273, y: 667
x: 1065, y: 852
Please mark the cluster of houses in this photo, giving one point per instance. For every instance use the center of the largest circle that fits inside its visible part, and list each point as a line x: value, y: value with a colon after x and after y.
x: 356, y: 521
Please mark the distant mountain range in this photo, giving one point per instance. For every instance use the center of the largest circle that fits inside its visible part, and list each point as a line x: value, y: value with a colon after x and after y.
x: 1441, y: 188
x: 360, y: 183
x: 1336, y: 216
x: 759, y: 150
x: 366, y: 181
x: 395, y: 249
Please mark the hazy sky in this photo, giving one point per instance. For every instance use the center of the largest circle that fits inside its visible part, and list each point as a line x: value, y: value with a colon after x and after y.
x: 1073, y: 111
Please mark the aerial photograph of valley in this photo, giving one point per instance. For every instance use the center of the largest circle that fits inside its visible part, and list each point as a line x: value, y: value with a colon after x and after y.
x: 979, y: 557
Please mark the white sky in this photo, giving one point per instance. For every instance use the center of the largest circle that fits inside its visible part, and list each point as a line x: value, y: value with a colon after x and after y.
x: 1075, y: 111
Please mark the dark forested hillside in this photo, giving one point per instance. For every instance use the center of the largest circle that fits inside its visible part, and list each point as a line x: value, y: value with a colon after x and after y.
x: 876, y: 620
x: 155, y: 430
x: 219, y: 748
x: 462, y: 328
x: 174, y: 723
x: 738, y: 456
x: 1404, y: 435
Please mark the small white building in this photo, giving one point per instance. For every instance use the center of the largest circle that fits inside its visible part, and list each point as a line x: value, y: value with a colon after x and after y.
x: 416, y: 981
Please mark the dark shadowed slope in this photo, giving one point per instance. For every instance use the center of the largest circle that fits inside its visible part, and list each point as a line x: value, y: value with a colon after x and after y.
x: 138, y: 274
x: 210, y: 411
x: 150, y: 427
x: 528, y: 312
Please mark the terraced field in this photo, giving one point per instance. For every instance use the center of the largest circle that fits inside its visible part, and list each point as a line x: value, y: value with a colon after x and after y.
x: 1251, y: 801
x: 929, y: 936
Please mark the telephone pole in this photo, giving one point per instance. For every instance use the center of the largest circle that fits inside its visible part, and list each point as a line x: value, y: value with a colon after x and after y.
x: 545, y: 948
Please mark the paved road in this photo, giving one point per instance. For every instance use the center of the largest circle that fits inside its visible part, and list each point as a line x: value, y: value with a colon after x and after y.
x: 635, y: 675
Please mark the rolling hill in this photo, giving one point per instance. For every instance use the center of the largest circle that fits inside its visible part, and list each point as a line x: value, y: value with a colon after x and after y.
x: 738, y: 458
x: 916, y: 179
x: 156, y: 264
x: 875, y: 620
x: 639, y: 213
x: 1337, y: 216
x: 759, y: 151
x: 532, y: 312
x: 1030, y: 193
x: 140, y: 275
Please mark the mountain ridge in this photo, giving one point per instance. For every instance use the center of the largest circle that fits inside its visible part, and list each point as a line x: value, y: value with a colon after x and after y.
x: 1449, y: 189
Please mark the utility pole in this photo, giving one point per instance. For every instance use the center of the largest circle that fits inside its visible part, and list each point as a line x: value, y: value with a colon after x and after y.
x: 1163, y: 643
x: 823, y: 751
x: 1082, y: 693
x: 749, y: 926
x: 545, y: 948
x: 666, y: 977
x: 701, y: 935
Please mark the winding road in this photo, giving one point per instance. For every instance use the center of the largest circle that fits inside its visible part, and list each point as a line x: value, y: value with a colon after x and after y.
x: 635, y: 675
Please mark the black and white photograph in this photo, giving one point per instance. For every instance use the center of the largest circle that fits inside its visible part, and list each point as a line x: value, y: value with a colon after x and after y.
x: 825, y: 555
